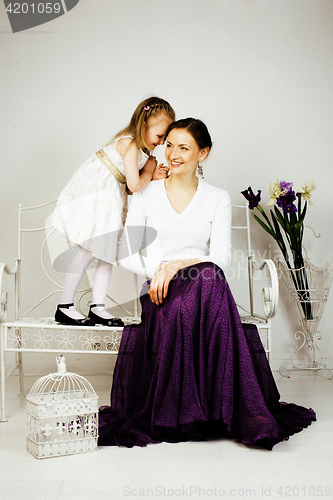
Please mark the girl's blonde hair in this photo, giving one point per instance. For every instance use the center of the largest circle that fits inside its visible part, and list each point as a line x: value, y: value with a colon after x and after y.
x: 151, y: 106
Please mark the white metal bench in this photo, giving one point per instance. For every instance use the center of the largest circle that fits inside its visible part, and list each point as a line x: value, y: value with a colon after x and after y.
x: 28, y: 332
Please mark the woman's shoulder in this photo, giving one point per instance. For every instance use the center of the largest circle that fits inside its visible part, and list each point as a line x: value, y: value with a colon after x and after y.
x: 152, y: 190
x: 213, y: 192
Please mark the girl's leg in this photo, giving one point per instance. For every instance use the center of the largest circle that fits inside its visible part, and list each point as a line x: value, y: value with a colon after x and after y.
x: 74, y: 275
x: 102, y: 278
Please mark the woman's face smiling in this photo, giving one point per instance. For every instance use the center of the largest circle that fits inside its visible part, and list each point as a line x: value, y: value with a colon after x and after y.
x: 182, y: 152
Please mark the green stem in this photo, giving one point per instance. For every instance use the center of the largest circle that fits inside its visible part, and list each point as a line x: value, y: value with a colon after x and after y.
x: 261, y: 210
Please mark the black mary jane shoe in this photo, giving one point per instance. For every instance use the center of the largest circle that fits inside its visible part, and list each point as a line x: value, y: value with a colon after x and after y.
x: 62, y: 317
x: 98, y: 320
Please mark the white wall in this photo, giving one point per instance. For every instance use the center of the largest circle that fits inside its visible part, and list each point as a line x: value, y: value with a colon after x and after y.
x: 258, y: 72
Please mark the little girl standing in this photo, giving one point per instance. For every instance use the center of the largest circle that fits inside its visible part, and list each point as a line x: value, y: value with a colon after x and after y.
x: 92, y: 208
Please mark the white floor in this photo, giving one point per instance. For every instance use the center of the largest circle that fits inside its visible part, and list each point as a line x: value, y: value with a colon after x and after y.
x: 299, y: 468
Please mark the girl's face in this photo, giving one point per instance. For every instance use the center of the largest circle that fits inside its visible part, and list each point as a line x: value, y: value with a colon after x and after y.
x: 155, y: 130
x: 182, y: 152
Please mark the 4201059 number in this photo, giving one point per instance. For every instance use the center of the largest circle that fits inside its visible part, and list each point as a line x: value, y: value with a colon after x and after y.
x: 34, y: 8
x: 308, y: 491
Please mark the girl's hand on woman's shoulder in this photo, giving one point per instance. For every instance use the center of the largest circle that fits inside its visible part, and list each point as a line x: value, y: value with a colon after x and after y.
x: 150, y: 165
x: 135, y: 180
x: 161, y: 172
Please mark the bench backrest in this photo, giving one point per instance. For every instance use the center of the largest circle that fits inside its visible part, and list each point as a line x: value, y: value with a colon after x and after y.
x: 33, y: 254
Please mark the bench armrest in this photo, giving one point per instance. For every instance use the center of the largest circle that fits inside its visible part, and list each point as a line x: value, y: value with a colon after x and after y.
x: 3, y: 295
x: 269, y: 295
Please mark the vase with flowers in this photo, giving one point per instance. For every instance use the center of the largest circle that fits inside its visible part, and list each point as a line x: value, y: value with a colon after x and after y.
x: 308, y: 285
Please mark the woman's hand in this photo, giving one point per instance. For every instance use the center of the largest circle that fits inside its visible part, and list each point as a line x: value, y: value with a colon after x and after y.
x: 160, y: 282
x: 150, y: 165
x: 161, y: 172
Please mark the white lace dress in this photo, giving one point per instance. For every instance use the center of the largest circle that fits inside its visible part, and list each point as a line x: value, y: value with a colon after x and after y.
x: 92, y: 208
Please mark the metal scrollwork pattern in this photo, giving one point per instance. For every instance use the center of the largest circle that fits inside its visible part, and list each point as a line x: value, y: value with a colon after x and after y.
x: 90, y: 342
x: 65, y: 340
x: 112, y: 341
x: 42, y: 339
x: 17, y: 339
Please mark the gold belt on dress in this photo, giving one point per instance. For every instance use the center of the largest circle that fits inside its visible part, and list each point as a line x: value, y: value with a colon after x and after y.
x: 110, y: 166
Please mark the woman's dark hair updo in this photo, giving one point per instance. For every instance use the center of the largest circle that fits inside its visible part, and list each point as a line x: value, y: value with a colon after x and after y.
x: 196, y: 128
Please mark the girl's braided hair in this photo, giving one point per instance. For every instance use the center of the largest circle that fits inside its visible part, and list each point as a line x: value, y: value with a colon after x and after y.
x: 148, y: 108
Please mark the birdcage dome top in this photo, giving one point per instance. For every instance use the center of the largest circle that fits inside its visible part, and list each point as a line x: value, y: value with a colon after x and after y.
x: 61, y: 385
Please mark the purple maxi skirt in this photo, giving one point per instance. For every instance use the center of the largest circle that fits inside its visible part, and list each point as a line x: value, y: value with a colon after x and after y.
x: 191, y: 370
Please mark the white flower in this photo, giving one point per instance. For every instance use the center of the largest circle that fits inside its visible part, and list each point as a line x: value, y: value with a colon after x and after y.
x: 90, y: 341
x: 306, y: 190
x: 112, y: 341
x: 65, y: 340
x: 275, y: 192
x: 17, y: 339
x: 42, y: 339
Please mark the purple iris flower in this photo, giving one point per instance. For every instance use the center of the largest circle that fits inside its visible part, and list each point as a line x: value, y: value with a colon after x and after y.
x: 286, y: 185
x: 286, y: 202
x: 253, y: 199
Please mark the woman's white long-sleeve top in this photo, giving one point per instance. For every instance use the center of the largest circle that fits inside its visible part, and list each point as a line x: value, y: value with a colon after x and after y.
x: 202, y: 230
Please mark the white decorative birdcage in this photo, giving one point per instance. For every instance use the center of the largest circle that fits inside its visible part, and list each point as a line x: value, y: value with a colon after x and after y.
x: 62, y: 415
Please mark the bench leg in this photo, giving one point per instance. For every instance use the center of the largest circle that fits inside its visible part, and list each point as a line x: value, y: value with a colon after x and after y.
x: 20, y: 367
x: 3, y: 376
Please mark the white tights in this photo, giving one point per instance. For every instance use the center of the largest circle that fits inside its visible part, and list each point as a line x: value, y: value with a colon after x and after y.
x: 102, y: 278
x: 74, y: 275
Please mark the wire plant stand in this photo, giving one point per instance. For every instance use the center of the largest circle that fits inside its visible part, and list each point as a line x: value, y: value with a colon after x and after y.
x: 309, y: 288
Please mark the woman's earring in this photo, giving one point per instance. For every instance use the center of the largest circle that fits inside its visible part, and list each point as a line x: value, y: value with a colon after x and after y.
x: 200, y: 171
